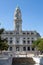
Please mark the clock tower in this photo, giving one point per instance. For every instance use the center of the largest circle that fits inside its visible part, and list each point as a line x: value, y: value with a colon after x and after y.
x: 18, y: 19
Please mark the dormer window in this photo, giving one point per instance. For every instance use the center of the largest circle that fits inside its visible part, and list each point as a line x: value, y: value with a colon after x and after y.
x: 27, y: 32
x: 32, y: 33
x: 6, y: 32
x: 23, y: 33
x: 11, y: 33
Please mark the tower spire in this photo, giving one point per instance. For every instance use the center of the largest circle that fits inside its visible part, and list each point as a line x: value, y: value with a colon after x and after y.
x: 17, y: 14
x: 18, y: 19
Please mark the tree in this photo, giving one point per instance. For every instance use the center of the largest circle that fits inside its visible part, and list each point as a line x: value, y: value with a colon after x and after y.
x: 3, y: 42
x: 38, y: 44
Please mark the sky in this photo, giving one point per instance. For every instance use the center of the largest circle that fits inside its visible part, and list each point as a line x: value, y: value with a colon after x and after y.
x: 32, y: 14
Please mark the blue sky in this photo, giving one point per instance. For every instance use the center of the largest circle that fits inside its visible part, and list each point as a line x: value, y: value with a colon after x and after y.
x: 32, y: 14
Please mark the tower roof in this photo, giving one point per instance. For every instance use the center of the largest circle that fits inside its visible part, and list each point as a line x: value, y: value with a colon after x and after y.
x: 17, y: 14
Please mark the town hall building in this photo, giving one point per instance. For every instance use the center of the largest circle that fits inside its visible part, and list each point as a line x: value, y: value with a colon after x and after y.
x: 19, y: 40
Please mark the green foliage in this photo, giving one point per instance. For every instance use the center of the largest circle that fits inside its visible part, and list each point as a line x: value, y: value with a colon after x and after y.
x: 1, y: 31
x: 35, y: 43
x: 38, y: 44
x: 3, y: 42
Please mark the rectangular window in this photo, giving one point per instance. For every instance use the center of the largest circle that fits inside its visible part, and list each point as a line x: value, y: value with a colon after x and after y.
x: 32, y: 49
x: 10, y: 48
x: 24, y: 41
x: 17, y: 41
x: 28, y: 48
x: 32, y: 41
x: 28, y: 38
x: 10, y: 37
x: 24, y: 48
x: 10, y: 41
x: 28, y: 41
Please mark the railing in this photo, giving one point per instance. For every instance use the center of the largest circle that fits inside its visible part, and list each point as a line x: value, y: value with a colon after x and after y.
x: 18, y: 54
x: 22, y: 54
x: 5, y: 54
